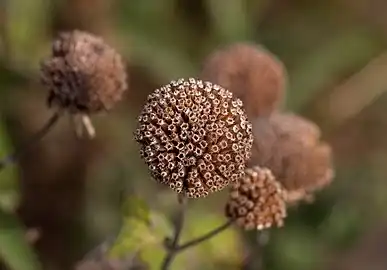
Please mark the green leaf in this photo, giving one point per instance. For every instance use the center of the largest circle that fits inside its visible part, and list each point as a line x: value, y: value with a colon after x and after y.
x: 134, y: 236
x: 136, y: 208
x: 141, y: 229
x: 154, y: 253
x: 14, y: 249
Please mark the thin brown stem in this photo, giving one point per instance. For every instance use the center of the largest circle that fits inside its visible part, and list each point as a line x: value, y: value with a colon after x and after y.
x: 12, y: 158
x: 172, y: 244
x: 204, y: 237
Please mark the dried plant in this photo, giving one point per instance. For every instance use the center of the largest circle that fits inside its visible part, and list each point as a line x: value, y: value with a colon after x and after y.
x: 290, y: 147
x: 257, y: 201
x: 252, y: 73
x: 83, y: 75
x: 194, y: 137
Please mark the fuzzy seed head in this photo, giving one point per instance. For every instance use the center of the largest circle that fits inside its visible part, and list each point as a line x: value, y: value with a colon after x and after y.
x: 194, y: 137
x: 252, y: 73
x: 290, y: 147
x: 257, y: 201
x: 83, y: 74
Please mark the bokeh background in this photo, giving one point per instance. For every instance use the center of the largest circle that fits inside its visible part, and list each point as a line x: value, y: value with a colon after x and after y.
x: 65, y: 196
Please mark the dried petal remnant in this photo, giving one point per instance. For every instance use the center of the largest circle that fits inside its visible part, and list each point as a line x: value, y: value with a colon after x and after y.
x: 84, y: 74
x: 257, y: 201
x: 194, y: 136
x: 252, y: 73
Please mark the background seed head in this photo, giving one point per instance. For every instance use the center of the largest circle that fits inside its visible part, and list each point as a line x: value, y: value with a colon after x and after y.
x: 253, y: 74
x: 194, y: 137
x: 257, y: 201
x: 290, y: 147
x: 83, y: 74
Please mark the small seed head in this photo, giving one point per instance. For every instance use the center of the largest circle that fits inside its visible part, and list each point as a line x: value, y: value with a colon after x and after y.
x: 257, y: 201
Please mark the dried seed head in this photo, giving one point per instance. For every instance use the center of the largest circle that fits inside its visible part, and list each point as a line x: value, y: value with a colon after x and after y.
x: 290, y: 147
x: 257, y: 201
x: 84, y: 74
x: 194, y: 136
x: 253, y: 74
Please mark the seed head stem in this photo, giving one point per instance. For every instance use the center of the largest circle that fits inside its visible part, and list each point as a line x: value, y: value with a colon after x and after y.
x: 205, y: 237
x: 179, y: 223
x: 12, y: 158
x: 174, y: 248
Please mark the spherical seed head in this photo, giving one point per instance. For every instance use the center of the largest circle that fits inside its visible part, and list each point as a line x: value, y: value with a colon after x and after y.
x: 194, y: 136
x: 290, y: 147
x: 257, y: 201
x: 83, y: 74
x: 253, y: 74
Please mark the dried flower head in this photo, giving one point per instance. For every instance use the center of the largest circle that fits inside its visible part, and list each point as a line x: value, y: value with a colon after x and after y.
x: 257, y: 201
x: 194, y: 136
x: 290, y: 147
x: 84, y: 74
x: 253, y: 74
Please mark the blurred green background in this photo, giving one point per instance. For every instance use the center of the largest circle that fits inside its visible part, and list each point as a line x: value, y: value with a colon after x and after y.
x: 64, y: 198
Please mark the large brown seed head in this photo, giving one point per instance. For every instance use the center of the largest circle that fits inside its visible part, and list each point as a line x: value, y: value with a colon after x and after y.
x: 290, y: 147
x: 257, y: 201
x: 83, y: 74
x: 251, y: 73
x: 194, y: 137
